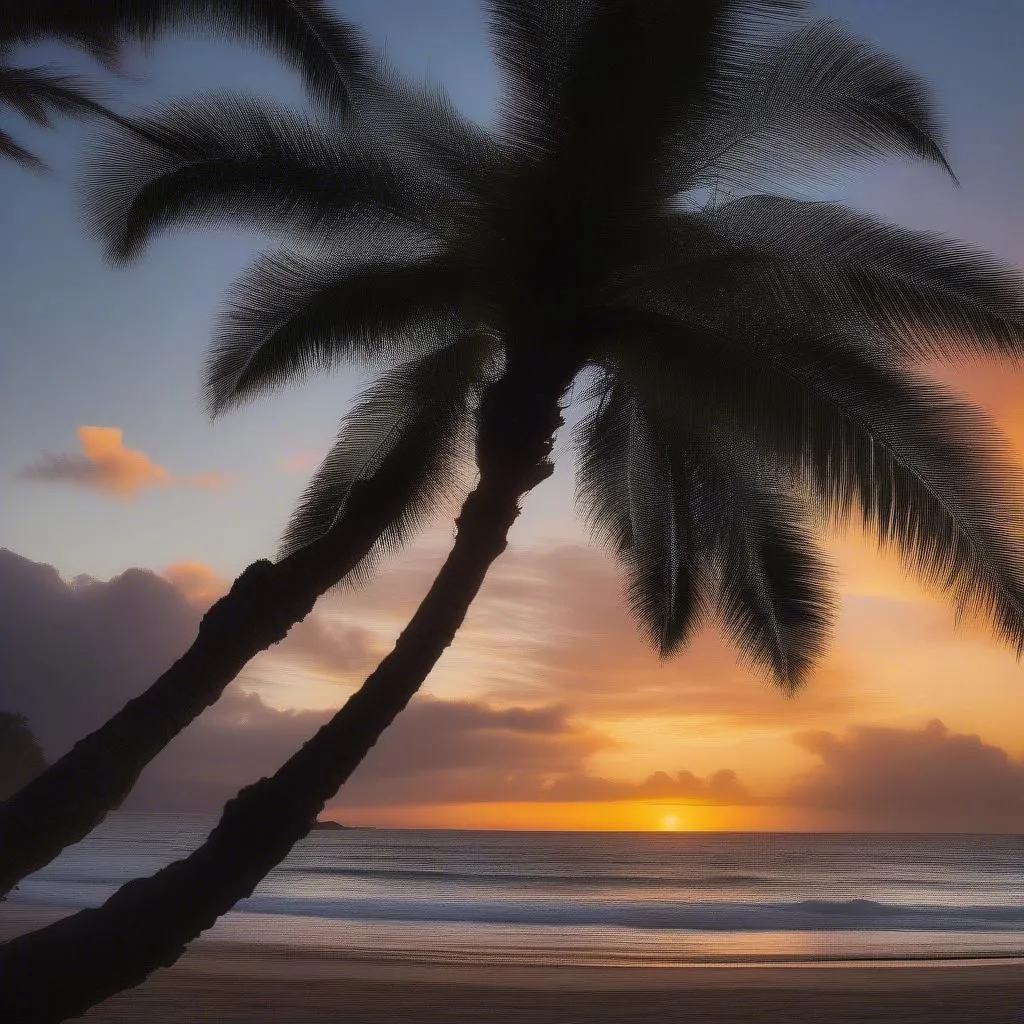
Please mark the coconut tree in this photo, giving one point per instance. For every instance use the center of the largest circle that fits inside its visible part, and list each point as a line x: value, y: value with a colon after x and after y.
x: 746, y: 360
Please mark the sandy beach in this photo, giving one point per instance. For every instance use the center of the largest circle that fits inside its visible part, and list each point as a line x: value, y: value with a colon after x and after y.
x: 247, y: 984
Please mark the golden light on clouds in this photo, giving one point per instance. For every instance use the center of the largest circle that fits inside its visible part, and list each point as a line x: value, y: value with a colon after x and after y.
x: 201, y: 584
x: 106, y: 464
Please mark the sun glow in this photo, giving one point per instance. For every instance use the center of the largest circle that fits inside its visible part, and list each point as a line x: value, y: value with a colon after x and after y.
x: 670, y: 823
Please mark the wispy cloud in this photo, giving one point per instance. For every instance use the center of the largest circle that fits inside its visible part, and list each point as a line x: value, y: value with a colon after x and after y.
x: 105, y: 464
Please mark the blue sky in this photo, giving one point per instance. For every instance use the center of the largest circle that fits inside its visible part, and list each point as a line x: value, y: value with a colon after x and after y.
x: 84, y: 343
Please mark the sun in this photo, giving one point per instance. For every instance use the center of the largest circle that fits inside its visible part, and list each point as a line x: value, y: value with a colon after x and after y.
x: 670, y: 823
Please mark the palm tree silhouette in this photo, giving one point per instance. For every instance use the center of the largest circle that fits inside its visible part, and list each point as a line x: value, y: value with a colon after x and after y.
x: 747, y: 359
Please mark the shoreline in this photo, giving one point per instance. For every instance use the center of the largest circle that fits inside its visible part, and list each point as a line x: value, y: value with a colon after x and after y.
x: 235, y: 982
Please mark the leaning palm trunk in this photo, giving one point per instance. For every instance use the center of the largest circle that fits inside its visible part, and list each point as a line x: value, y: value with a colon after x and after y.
x: 63, y: 969
x: 69, y: 799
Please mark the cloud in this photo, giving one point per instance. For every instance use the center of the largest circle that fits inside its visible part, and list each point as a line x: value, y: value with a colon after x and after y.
x: 324, y: 643
x: 436, y: 753
x: 201, y: 584
x: 300, y: 462
x: 928, y: 779
x: 553, y: 623
x: 71, y: 653
x: 321, y: 641
x: 106, y: 465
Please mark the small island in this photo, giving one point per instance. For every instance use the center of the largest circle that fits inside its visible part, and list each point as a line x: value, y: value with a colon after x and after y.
x: 329, y: 826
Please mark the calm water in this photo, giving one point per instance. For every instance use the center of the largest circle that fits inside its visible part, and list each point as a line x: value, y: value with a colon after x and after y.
x: 593, y: 898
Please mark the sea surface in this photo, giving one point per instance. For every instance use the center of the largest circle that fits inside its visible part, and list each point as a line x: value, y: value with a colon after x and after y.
x: 599, y: 899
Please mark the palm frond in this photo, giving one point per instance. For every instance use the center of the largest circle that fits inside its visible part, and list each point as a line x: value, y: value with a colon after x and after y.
x: 815, y: 100
x: 16, y: 152
x: 700, y: 530
x: 775, y: 586
x: 422, y: 124
x: 411, y: 433
x: 639, y: 72
x: 636, y: 493
x: 534, y: 42
x: 66, y: 21
x: 923, y: 470
x: 221, y: 157
x: 297, y: 312
x: 36, y: 93
x: 596, y: 127
x: 328, y: 52
x: 926, y: 295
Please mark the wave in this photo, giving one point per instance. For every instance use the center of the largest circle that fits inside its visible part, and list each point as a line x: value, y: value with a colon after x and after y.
x: 803, y: 915
x: 541, y: 876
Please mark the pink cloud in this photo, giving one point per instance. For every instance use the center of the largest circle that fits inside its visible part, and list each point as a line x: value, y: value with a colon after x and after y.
x: 199, y: 583
x: 105, y: 464
x: 300, y: 462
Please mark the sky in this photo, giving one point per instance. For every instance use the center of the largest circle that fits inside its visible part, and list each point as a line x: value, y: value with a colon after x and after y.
x: 124, y: 513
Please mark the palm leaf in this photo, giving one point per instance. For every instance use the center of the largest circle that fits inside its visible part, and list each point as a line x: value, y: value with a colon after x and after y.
x: 926, y: 295
x: 776, y: 593
x: 225, y: 157
x: 411, y: 430
x: 595, y: 129
x: 923, y: 470
x: 297, y: 312
x: 635, y: 492
x: 36, y: 93
x: 16, y: 152
x: 816, y: 99
x: 699, y: 530
x: 327, y: 52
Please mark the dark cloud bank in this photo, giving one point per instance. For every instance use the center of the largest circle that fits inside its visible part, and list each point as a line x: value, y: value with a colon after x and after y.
x: 71, y: 653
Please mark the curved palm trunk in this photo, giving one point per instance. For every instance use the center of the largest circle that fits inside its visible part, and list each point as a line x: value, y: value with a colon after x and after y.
x: 71, y: 965
x: 72, y: 796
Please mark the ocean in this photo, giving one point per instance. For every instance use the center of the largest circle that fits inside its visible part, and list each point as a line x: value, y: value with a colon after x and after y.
x: 592, y: 899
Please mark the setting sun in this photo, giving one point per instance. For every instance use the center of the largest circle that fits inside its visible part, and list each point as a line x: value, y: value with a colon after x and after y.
x: 670, y: 822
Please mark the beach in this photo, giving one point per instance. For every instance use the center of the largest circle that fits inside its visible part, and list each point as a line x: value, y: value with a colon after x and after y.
x: 248, y: 983
x: 435, y: 927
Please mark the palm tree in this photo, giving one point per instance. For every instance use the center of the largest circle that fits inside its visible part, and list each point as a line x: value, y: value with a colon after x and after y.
x: 382, y: 495
x: 747, y: 360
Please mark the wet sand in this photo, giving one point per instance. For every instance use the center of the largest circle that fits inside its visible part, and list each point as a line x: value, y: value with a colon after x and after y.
x: 250, y: 984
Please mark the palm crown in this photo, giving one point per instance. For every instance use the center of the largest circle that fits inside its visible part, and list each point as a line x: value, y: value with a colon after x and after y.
x: 747, y: 358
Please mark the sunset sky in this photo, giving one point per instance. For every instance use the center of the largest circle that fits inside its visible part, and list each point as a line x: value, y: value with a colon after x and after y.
x: 125, y: 512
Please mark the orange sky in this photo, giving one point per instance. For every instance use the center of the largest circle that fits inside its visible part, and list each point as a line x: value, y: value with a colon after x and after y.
x: 550, y: 628
x: 549, y: 711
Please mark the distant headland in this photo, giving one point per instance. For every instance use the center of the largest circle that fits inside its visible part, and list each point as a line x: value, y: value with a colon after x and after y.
x: 336, y: 826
